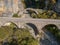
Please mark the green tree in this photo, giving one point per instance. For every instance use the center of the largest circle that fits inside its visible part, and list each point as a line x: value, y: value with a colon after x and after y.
x: 5, y: 32
x: 21, y: 36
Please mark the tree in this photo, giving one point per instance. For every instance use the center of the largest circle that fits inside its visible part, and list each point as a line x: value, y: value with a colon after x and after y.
x: 25, y: 38
x: 21, y: 36
x: 5, y: 32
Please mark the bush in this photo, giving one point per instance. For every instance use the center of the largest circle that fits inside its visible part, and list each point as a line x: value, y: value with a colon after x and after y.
x: 46, y: 15
x: 25, y: 38
x: 5, y: 32
x: 15, y: 15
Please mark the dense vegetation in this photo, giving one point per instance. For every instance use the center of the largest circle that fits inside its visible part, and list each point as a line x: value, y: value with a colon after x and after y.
x: 12, y: 35
x: 54, y: 30
x: 4, y: 32
x: 46, y: 15
x: 41, y: 4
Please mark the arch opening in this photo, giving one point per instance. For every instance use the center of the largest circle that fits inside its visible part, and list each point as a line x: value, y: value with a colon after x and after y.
x: 50, y: 27
x: 34, y: 28
x: 32, y: 13
x: 52, y: 31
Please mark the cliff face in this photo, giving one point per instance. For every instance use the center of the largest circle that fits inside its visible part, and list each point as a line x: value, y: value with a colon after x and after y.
x: 11, y: 5
x: 2, y: 8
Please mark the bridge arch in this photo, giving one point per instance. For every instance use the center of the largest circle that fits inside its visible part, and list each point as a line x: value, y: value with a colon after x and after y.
x: 49, y: 32
x: 54, y: 26
x: 34, y: 28
x: 50, y: 25
x: 51, y: 28
x: 31, y: 10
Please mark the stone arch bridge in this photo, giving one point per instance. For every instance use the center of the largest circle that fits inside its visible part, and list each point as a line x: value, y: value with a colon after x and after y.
x: 39, y: 23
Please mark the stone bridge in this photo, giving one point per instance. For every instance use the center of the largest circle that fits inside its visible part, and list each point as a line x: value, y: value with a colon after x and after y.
x: 39, y: 23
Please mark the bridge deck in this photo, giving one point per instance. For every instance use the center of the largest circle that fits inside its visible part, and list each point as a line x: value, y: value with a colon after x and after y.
x: 12, y: 18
